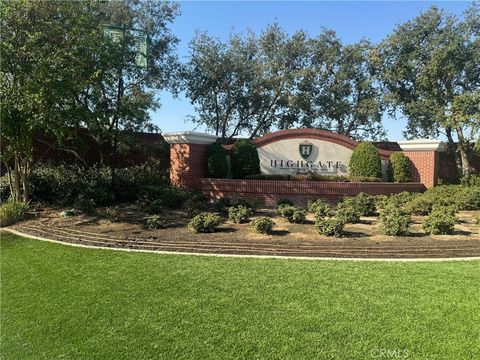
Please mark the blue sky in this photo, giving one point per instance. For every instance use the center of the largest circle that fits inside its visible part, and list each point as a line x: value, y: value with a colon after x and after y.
x: 351, y: 20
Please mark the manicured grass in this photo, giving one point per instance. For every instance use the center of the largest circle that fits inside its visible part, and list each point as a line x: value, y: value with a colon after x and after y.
x: 60, y: 302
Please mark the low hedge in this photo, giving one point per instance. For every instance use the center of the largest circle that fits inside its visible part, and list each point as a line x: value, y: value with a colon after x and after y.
x: 330, y: 226
x: 441, y: 221
x: 205, y: 223
x: 292, y: 214
x: 239, y: 214
x: 394, y: 221
x: 313, y: 177
x: 262, y: 225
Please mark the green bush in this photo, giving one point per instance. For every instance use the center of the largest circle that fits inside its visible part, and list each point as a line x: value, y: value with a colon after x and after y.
x: 244, y: 159
x: 156, y: 222
x: 349, y: 211
x: 217, y: 166
x: 470, y: 180
x: 402, y: 198
x: 285, y: 202
x: 84, y: 203
x: 239, y: 214
x: 394, y: 221
x: 330, y: 226
x: 468, y: 198
x: 221, y: 203
x: 251, y: 203
x: 365, y: 179
x: 381, y: 201
x: 365, y: 161
x: 420, y: 205
x: 400, y: 170
x: 292, y: 214
x: 319, y: 207
x: 205, y: 223
x: 262, y: 225
x: 12, y: 211
x: 365, y: 204
x: 440, y: 221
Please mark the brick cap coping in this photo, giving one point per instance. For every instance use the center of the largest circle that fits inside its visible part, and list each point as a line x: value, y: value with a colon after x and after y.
x: 422, y: 145
x: 189, y: 137
x: 163, y: 252
x: 313, y: 134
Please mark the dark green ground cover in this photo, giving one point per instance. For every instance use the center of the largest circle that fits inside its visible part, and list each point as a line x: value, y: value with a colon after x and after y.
x: 61, y: 302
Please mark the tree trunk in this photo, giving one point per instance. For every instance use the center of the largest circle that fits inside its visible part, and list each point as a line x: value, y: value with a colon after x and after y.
x: 462, y: 149
x: 16, y: 174
x: 454, y: 150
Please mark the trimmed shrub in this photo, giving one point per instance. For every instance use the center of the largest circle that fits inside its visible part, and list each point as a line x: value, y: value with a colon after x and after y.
x: 12, y: 211
x: 420, y: 205
x: 319, y: 207
x: 156, y: 222
x: 239, y: 214
x: 330, y: 226
x: 217, y: 166
x: 262, y: 225
x: 402, y: 198
x: 440, y: 221
x: 365, y: 161
x: 394, y: 221
x: 244, y: 159
x: 292, y: 214
x: 470, y: 180
x: 381, y: 201
x: 205, y: 223
x: 365, y: 179
x: 400, y: 170
x: 251, y: 203
x: 365, y: 204
x: 349, y: 211
x: 468, y: 198
x: 285, y: 202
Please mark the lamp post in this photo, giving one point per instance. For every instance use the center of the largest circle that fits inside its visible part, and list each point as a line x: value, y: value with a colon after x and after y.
x: 117, y: 35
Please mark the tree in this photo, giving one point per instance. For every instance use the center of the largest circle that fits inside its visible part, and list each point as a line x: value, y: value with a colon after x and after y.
x: 60, y: 72
x: 339, y: 91
x: 244, y: 85
x: 39, y: 72
x: 430, y: 68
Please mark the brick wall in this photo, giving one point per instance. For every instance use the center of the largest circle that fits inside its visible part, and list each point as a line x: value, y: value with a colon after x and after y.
x: 188, y: 163
x: 424, y: 166
x: 270, y: 191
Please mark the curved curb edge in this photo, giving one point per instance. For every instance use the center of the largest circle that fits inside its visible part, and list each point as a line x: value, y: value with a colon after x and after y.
x: 18, y: 233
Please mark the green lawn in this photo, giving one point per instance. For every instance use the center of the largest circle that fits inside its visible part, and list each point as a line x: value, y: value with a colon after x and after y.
x: 61, y: 302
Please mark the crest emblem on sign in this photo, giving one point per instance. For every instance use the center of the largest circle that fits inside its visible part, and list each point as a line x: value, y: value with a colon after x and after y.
x: 305, y: 149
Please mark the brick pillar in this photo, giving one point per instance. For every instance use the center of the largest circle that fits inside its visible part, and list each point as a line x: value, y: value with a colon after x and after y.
x: 188, y: 160
x: 424, y: 159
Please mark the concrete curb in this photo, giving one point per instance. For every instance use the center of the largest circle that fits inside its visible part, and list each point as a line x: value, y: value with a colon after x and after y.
x: 15, y: 232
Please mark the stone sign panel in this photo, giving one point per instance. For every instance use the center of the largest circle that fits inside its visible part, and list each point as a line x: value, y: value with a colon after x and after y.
x: 304, y: 156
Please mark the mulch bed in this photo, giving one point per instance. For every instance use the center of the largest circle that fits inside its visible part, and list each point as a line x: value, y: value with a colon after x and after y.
x: 360, y: 241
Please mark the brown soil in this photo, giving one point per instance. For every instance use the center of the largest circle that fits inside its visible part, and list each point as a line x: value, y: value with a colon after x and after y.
x: 360, y: 240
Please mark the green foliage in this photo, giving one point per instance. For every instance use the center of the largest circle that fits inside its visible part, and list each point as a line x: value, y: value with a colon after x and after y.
x: 420, y: 205
x: 12, y: 211
x: 319, y: 207
x: 205, y: 223
x: 429, y: 69
x: 84, y: 203
x: 217, y: 166
x: 244, y: 159
x: 292, y: 214
x: 440, y: 221
x: 365, y: 161
x: 394, y: 221
x: 262, y: 225
x: 156, y: 222
x: 251, y: 203
x: 477, y: 219
x: 239, y: 214
x: 400, y: 170
x: 285, y: 202
x: 470, y: 180
x: 221, y: 203
x: 365, y: 204
x: 330, y: 226
x: 381, y: 201
x: 402, y: 198
x: 349, y: 210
